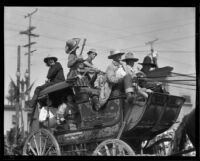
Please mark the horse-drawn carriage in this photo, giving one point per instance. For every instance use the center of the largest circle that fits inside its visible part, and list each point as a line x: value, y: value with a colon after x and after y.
x: 116, y: 129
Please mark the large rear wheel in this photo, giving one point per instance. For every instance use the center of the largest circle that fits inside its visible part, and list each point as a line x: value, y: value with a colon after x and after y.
x: 113, y: 147
x: 41, y: 142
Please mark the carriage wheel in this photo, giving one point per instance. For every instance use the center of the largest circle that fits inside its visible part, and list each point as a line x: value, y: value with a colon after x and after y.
x: 41, y: 142
x: 162, y: 147
x: 113, y: 147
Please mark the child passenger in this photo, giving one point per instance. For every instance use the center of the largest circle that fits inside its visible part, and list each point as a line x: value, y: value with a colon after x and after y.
x: 67, y: 111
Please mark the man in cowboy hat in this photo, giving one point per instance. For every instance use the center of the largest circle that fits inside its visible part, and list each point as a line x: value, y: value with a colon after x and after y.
x: 113, y: 79
x: 93, y: 71
x: 73, y: 59
x: 75, y: 63
x: 55, y: 75
x: 149, y: 62
x: 130, y: 60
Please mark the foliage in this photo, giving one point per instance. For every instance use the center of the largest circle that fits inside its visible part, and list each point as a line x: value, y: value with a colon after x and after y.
x: 12, y: 147
x: 12, y: 92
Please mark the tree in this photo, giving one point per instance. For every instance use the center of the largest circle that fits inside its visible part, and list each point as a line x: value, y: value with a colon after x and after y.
x: 12, y: 92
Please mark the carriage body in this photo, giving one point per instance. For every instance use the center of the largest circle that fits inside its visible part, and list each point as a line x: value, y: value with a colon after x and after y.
x: 147, y: 118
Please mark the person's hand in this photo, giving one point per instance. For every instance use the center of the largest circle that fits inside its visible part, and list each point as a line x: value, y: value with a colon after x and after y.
x: 47, y: 81
x: 155, y: 55
x: 140, y: 74
x: 149, y: 91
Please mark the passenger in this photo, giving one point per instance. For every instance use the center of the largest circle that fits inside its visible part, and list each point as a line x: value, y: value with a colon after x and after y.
x: 74, y: 64
x: 55, y: 75
x: 91, y: 74
x: 47, y: 115
x: 129, y: 69
x: 68, y: 111
x: 73, y: 59
x: 150, y: 62
x: 112, y: 79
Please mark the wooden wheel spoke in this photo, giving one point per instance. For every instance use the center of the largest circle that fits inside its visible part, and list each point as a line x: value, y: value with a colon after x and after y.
x: 107, y: 150
x: 31, y: 148
x: 36, y: 145
x: 99, y: 153
x: 44, y: 145
x: 49, y: 149
x: 121, y: 150
x: 40, y: 134
x: 114, y: 149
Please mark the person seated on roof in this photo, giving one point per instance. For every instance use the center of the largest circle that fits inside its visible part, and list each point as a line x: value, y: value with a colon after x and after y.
x: 128, y: 66
x: 114, y: 79
x: 73, y: 63
x: 91, y: 74
x: 150, y: 62
x: 55, y: 75
x: 151, y: 71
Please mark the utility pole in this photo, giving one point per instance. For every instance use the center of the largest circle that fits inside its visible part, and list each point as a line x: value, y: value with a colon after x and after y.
x: 151, y: 43
x: 30, y: 34
x: 18, y: 93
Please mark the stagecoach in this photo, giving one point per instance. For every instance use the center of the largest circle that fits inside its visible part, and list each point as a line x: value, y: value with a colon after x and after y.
x: 117, y: 129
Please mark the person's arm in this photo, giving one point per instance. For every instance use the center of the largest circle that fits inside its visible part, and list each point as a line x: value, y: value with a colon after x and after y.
x: 54, y: 70
x: 87, y: 64
x: 72, y: 59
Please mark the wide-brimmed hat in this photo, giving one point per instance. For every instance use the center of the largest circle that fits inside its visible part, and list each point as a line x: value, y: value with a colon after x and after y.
x: 50, y: 57
x: 92, y: 51
x: 130, y: 56
x: 113, y: 53
x: 148, y: 62
x: 71, y: 45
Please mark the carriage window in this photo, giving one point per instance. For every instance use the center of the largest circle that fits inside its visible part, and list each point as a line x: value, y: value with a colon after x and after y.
x: 56, y: 97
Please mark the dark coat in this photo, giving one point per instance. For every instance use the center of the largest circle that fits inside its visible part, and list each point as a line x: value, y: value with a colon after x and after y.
x: 55, y: 73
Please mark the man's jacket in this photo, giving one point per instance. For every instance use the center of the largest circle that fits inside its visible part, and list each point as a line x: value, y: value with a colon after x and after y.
x: 55, y: 73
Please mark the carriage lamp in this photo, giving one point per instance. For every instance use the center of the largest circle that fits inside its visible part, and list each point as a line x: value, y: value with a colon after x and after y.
x: 26, y: 74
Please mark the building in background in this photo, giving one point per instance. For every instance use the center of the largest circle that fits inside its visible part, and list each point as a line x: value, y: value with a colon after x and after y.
x: 10, y: 118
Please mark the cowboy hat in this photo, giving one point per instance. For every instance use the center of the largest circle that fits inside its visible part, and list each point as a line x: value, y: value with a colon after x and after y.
x: 92, y: 51
x: 50, y: 57
x: 130, y: 56
x: 148, y: 62
x: 113, y: 53
x: 71, y: 45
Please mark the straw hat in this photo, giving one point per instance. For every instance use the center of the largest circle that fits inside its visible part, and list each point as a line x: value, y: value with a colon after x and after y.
x: 130, y: 56
x: 71, y: 45
x: 113, y: 53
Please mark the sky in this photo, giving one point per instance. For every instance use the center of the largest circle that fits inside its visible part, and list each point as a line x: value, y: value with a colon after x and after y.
x: 105, y: 28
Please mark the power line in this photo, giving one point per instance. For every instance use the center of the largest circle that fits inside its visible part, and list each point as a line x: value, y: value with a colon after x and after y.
x: 146, y: 32
x: 164, y: 41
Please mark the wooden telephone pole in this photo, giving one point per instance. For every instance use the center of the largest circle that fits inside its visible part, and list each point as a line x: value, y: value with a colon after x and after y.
x: 30, y: 34
x: 151, y: 43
